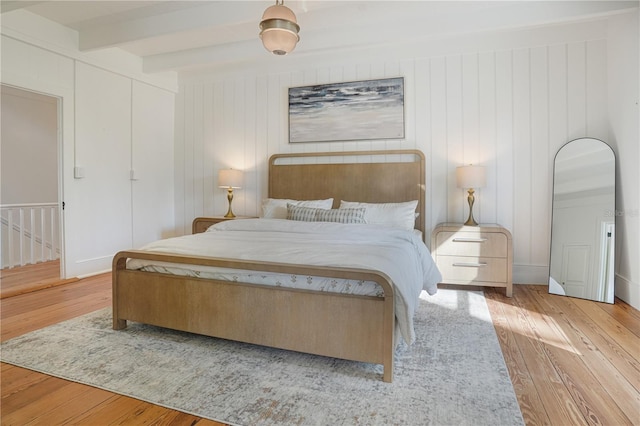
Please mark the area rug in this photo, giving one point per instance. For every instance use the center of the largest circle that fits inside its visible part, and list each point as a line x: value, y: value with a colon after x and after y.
x: 453, y: 375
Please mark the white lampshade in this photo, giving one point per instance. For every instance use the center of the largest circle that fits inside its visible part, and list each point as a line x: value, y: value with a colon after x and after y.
x: 279, y: 29
x: 471, y: 176
x: 230, y: 178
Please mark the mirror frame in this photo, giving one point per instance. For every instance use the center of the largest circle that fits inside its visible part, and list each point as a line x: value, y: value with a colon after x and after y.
x: 608, y: 298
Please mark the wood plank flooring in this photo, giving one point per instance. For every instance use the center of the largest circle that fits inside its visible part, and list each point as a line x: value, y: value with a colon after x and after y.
x: 28, y: 278
x: 572, y: 362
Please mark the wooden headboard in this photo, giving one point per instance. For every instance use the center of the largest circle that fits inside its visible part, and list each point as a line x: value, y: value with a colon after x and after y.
x: 366, y: 176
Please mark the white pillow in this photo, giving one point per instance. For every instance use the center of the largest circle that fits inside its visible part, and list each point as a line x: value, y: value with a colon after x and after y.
x: 397, y: 215
x: 276, y: 208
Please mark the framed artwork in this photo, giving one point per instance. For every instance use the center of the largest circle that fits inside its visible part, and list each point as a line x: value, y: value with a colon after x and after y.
x: 357, y: 110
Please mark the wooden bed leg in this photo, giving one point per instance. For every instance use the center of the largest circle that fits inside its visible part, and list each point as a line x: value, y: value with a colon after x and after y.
x: 119, y: 324
x: 387, y: 375
x: 119, y: 264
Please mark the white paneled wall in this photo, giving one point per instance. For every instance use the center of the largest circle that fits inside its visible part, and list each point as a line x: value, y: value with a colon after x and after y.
x: 507, y: 109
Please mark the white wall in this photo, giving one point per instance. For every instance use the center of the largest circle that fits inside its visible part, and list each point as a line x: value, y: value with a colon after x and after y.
x: 623, y: 71
x: 106, y: 107
x: 25, y: 146
x: 507, y: 100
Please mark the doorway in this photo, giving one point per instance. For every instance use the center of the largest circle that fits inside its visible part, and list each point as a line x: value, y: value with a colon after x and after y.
x: 31, y: 191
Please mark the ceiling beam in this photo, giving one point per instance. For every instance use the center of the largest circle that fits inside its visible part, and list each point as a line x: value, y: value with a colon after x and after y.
x: 9, y: 5
x: 96, y: 35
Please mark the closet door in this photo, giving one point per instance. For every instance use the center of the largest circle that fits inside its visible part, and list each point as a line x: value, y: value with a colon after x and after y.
x: 152, y: 164
x: 98, y: 204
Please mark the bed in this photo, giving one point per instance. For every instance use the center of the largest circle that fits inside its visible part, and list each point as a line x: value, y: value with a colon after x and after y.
x: 359, y: 327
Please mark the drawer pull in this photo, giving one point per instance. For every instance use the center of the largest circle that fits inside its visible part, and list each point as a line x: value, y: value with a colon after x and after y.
x: 469, y: 240
x: 470, y: 264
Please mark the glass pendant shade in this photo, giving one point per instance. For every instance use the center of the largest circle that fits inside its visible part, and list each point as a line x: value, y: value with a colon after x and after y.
x: 279, y: 29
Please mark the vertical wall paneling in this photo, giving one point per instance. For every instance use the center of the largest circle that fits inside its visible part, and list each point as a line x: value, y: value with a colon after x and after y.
x: 558, y: 102
x: 457, y: 206
x: 508, y: 109
x: 470, y: 143
x: 249, y: 157
x: 505, y: 139
x: 198, y: 167
x: 218, y: 144
x: 577, y: 90
x: 440, y: 178
x: 539, y: 176
x: 422, y: 135
x: 179, y: 152
x: 522, y: 154
x: 596, y: 72
x: 238, y: 135
x: 208, y: 152
x: 189, y: 154
x: 262, y: 148
x: 487, y: 138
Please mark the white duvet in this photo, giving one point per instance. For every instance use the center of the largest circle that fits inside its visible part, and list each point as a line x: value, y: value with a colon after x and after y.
x: 398, y: 253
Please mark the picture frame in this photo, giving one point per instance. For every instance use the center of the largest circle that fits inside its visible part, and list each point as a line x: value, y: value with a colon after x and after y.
x: 347, y: 111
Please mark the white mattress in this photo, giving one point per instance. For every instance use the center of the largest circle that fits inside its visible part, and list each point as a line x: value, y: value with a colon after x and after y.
x: 315, y: 283
x: 398, y: 253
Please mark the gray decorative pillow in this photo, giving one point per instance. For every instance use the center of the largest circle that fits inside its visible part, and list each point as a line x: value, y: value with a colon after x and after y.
x: 310, y: 214
x: 306, y: 214
x: 341, y: 215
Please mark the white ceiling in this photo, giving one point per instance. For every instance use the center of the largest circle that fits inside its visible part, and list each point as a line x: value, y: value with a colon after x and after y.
x: 184, y: 34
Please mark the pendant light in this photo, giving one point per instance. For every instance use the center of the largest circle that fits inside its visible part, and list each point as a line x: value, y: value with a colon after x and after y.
x: 279, y: 29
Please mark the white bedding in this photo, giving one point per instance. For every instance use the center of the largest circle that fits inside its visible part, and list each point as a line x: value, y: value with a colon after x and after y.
x: 398, y: 253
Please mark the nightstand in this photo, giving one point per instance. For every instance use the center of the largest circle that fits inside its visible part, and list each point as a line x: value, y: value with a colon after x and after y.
x: 474, y: 255
x: 201, y: 224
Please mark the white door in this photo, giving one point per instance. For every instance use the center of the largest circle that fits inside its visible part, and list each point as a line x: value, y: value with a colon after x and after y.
x: 575, y: 270
x: 98, y: 201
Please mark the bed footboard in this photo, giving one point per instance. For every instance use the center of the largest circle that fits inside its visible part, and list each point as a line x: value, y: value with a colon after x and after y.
x: 358, y: 328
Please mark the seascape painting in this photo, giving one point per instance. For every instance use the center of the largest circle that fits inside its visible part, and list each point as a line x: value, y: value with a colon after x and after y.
x: 357, y: 110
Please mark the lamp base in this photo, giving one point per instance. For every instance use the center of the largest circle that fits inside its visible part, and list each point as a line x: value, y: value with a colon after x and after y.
x: 471, y: 221
x: 471, y: 199
x: 230, y: 198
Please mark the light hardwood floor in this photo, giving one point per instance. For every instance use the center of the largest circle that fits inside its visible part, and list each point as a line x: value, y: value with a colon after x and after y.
x: 571, y: 361
x: 24, y: 279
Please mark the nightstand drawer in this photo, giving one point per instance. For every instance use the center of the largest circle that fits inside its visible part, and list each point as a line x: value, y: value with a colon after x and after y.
x: 463, y: 269
x: 485, y: 244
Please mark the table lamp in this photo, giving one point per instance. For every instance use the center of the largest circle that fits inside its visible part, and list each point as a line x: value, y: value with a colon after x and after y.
x: 230, y: 179
x: 471, y: 177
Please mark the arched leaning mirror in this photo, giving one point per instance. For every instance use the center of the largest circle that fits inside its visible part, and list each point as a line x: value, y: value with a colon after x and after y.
x: 583, y: 222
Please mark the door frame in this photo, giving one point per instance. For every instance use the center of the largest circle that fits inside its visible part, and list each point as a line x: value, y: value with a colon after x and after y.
x: 59, y: 169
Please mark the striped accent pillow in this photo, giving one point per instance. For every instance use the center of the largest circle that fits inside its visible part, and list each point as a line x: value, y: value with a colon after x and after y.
x: 306, y: 214
x: 341, y: 215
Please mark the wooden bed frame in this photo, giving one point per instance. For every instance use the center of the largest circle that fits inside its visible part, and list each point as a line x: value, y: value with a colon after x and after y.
x: 359, y: 328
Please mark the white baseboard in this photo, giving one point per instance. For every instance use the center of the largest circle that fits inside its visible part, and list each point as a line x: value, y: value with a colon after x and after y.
x: 531, y: 274
x: 628, y: 291
x: 94, y: 273
x: 87, y: 267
